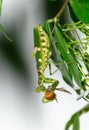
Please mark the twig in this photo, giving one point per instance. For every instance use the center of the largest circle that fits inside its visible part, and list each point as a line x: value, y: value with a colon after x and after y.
x: 61, y: 11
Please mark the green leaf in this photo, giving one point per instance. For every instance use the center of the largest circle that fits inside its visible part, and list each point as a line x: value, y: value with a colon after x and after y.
x: 81, y: 9
x: 67, y: 57
x: 76, y: 124
x: 58, y: 61
x: 68, y: 124
x: 86, y: 60
x: 0, y: 6
x: 3, y: 32
x: 74, y: 120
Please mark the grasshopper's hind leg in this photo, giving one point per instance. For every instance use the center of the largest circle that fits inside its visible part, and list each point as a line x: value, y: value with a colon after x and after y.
x: 52, y: 84
x: 40, y: 89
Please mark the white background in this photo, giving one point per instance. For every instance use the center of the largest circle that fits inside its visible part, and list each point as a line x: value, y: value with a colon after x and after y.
x: 20, y: 107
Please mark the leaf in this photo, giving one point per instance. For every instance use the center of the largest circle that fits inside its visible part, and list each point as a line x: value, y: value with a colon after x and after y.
x: 0, y: 6
x: 1, y: 28
x: 3, y: 32
x: 76, y: 124
x: 86, y: 60
x: 67, y: 57
x: 58, y: 61
x: 68, y: 124
x: 74, y: 120
x: 81, y: 9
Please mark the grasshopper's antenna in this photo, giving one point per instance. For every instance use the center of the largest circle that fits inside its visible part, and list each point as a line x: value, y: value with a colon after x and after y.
x: 63, y: 90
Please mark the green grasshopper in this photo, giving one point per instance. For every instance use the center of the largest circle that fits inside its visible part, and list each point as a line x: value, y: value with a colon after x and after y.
x: 42, y: 52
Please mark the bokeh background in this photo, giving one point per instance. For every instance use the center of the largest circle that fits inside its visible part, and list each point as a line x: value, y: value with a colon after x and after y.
x: 20, y: 107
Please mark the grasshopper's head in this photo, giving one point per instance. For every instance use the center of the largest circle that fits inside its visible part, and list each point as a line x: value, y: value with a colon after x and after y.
x: 49, y: 96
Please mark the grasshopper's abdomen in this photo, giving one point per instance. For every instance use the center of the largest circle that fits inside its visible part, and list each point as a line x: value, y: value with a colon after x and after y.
x: 41, y: 48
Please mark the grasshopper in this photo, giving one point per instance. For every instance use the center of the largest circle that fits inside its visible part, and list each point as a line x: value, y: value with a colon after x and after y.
x: 42, y: 52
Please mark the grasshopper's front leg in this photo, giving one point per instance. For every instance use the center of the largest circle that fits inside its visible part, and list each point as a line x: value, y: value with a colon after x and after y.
x: 49, y: 94
x: 53, y: 83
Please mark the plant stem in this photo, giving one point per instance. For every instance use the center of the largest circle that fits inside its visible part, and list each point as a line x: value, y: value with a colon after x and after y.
x: 61, y: 11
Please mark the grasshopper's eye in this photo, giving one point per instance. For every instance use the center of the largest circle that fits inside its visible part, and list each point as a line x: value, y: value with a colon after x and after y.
x: 50, y: 95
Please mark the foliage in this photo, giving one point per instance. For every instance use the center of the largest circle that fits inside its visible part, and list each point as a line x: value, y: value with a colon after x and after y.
x: 74, y: 120
x: 69, y: 53
x: 4, y: 33
x: 81, y: 9
x: 1, y: 28
x: 0, y: 6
